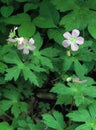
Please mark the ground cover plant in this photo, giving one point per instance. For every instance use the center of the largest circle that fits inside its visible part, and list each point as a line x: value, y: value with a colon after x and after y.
x: 48, y: 65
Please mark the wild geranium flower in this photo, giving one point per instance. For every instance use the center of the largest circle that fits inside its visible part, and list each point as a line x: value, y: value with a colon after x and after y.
x: 77, y: 80
x: 73, y: 40
x: 21, y: 42
x: 26, y: 45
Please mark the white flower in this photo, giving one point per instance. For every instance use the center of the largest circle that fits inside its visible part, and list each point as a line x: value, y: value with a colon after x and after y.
x: 20, y: 40
x: 26, y: 45
x: 73, y: 40
x: 11, y: 40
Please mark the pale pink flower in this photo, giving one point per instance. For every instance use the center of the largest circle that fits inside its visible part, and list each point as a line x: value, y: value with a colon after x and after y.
x: 77, y: 80
x: 20, y: 40
x: 26, y: 45
x: 73, y: 40
x: 11, y: 40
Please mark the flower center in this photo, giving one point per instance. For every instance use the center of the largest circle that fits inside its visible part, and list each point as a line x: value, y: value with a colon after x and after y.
x: 26, y: 45
x: 72, y: 40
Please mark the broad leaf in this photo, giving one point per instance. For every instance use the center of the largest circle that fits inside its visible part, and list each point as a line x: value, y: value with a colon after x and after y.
x: 12, y: 73
x: 80, y: 70
x: 27, y: 29
x: 48, y: 16
x: 54, y: 121
x: 56, y: 34
x: 18, y: 19
x: 5, y: 126
x: 86, y: 116
x: 30, y: 6
x: 6, y: 10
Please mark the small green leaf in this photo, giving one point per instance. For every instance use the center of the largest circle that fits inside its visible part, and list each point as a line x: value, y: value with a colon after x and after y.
x: 19, y: 107
x: 64, y: 5
x: 79, y: 69
x: 27, y: 29
x: 38, y: 40
x: 54, y: 121
x: 30, y: 6
x: 78, y: 18
x: 46, y: 62
x: 18, y: 19
x: 3, y: 67
x: 12, y: 58
x: 13, y: 72
x: 29, y: 75
x: 15, y: 110
x: 12, y: 97
x: 6, y: 10
x: 67, y: 63
x: 85, y: 115
x: 5, y: 126
x: 44, y: 22
x: 56, y: 34
x: 60, y: 88
x: 66, y: 100
x: 92, y: 30
x: 80, y: 115
x: 4, y: 106
x: 47, y: 10
x: 49, y: 52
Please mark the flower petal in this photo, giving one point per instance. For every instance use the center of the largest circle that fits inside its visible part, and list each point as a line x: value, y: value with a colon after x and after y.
x: 74, y: 47
x: 67, y: 35
x: 75, y: 33
x: 32, y: 47
x: 79, y: 40
x: 20, y: 40
x: 66, y: 43
x: 11, y: 40
x: 25, y: 51
x: 76, y: 80
x: 20, y: 47
x: 31, y: 41
x: 25, y: 41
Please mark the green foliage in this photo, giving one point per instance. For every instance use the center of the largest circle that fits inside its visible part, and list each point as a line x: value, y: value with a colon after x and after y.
x: 14, y: 72
x: 76, y: 91
x: 48, y: 18
x: 17, y: 19
x: 12, y: 101
x: 44, y: 106
x: 22, y: 31
x: 30, y: 6
x: 38, y: 40
x: 79, y: 69
x: 56, y: 121
x: 52, y: 87
x: 56, y: 34
x: 5, y: 125
x: 6, y: 10
x: 92, y: 31
x: 85, y: 115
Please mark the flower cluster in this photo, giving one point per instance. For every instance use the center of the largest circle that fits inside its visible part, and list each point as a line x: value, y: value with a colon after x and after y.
x: 25, y: 45
x: 22, y: 43
x: 73, y: 40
